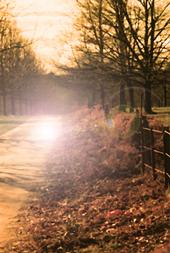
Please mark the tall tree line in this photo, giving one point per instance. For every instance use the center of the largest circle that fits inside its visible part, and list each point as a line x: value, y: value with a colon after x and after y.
x: 127, y: 41
x: 17, y: 62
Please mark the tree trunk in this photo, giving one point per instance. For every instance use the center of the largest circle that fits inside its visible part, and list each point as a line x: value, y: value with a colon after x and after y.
x: 4, y: 103
x: 131, y: 97
x: 91, y: 98
x: 25, y: 106
x: 165, y: 95
x: 102, y: 95
x: 13, y: 109
x: 122, y: 105
x: 20, y: 103
x: 148, y: 97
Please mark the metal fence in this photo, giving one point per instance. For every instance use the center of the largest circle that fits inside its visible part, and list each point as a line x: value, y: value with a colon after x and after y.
x: 155, y: 151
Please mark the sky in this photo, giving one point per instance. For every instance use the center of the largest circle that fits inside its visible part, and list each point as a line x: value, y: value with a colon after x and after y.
x: 46, y: 22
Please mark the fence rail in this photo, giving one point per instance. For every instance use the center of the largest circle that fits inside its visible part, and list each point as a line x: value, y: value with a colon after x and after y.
x: 149, y: 151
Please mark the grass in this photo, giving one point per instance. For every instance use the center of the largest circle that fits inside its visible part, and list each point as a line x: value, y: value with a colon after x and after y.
x: 163, y: 115
x: 162, y: 110
x: 9, y: 122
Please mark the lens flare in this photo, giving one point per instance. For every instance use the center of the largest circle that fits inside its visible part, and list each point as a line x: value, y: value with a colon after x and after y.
x: 46, y: 131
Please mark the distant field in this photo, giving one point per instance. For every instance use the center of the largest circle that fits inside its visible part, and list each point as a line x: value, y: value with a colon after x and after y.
x: 162, y: 109
x: 163, y: 115
x: 9, y: 122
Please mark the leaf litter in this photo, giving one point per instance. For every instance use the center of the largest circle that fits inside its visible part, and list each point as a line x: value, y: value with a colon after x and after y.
x: 94, y: 198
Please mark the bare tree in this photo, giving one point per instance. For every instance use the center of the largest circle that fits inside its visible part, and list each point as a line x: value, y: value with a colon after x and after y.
x: 17, y: 61
x: 94, y: 34
x: 151, y: 39
x: 102, y: 48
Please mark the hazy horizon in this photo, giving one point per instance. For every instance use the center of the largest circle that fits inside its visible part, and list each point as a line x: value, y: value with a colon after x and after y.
x: 46, y: 22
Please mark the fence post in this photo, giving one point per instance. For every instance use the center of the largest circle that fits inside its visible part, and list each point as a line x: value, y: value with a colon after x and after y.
x: 166, y: 140
x: 142, y: 151
x: 142, y: 144
x: 153, y: 164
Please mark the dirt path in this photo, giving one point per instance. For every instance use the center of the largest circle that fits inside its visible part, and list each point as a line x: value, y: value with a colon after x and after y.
x: 23, y: 152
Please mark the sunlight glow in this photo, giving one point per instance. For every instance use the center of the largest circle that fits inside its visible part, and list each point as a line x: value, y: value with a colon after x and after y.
x: 46, y: 22
x: 46, y: 131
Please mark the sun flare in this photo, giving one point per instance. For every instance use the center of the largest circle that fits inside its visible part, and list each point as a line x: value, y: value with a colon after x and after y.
x: 46, y: 131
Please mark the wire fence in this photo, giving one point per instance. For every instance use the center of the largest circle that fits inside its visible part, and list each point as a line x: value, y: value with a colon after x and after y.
x: 155, y: 151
